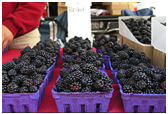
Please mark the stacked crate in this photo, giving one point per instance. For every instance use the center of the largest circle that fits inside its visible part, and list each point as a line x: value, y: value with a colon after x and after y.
x: 61, y: 7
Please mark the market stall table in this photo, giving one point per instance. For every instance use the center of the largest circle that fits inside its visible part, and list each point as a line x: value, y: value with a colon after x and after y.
x: 48, y: 103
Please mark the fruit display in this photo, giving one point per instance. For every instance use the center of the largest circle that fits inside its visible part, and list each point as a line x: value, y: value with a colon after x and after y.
x: 27, y: 73
x: 143, y: 80
x: 79, y: 51
x: 87, y: 79
x: 140, y: 28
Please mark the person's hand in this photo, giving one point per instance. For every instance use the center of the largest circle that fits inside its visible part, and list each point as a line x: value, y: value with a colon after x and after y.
x: 7, y: 36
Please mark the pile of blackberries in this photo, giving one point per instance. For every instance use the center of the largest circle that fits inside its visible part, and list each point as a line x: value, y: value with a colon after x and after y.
x: 140, y: 28
x: 79, y: 51
x: 26, y: 74
x: 87, y: 79
x: 143, y: 80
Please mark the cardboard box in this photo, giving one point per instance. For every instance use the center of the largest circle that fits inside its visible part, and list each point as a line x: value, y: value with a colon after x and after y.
x: 131, y: 7
x: 62, y: 4
x: 115, y: 12
x: 61, y: 9
x: 159, y: 58
x: 138, y: 47
x: 128, y: 37
x: 117, y: 7
x: 112, y: 3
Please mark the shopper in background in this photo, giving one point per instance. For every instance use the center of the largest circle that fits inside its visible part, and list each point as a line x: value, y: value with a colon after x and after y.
x: 20, y: 21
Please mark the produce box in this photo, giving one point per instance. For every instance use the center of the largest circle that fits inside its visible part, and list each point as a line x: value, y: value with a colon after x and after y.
x: 77, y: 102
x: 23, y: 102
x: 127, y: 37
x: 159, y: 41
x: 61, y: 9
x: 6, y: 49
x: 143, y: 103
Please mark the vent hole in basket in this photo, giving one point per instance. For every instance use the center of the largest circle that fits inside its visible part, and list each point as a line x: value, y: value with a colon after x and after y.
x: 135, y: 109
x: 67, y: 108
x: 83, y: 108
x: 97, y: 107
x: 151, y: 109
x: 11, y: 109
x: 26, y: 109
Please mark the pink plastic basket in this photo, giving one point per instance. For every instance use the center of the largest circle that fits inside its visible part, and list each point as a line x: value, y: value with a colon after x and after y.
x: 77, y: 102
x: 23, y: 102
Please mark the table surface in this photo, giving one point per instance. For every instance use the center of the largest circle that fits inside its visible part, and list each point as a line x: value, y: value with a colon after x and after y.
x: 48, y: 104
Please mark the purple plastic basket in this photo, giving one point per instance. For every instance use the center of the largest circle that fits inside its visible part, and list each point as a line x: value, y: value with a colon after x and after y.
x: 99, y: 51
x: 23, y: 102
x: 106, y: 61
x: 82, y: 102
x: 6, y: 49
x: 143, y: 103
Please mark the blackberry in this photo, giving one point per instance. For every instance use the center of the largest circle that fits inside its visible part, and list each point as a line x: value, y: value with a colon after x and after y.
x: 125, y: 46
x: 163, y: 85
x: 21, y: 65
x: 149, y: 91
x: 117, y: 47
x: 90, y: 59
x: 110, y: 44
x: 42, y: 59
x: 5, y: 79
x: 145, y: 59
x: 107, y: 87
x: 87, y: 68
x: 131, y: 82
x: 138, y: 91
x: 23, y: 89
x: 26, y: 56
x: 76, y: 86
x: 75, y: 54
x: 59, y: 85
x: 115, y: 58
x: 12, y: 73
x: 37, y: 63
x: 149, y: 84
x: 96, y: 74
x: 139, y: 76
x: 101, y: 60
x: 156, y: 85
x: 136, y: 55
x: 74, y: 67
x: 4, y: 72
x: 125, y: 62
x: 123, y: 66
x: 130, y: 51
x: 157, y: 77
x: 83, y: 55
x: 127, y: 89
x: 141, y: 85
x: 106, y: 79
x: 121, y: 74
x: 66, y: 65
x: 160, y: 91
x: 33, y: 89
x: 114, y: 65
x: 8, y: 65
x: 98, y: 85
x: 38, y: 81
x: 25, y: 50
x: 97, y: 63
x: 15, y: 60
x: 41, y: 70
x: 27, y: 82
x: 28, y: 69
x: 12, y: 88
x: 136, y: 68
x: 47, y: 44
x: 87, y: 81
x: 67, y: 59
x: 18, y: 79
x: 75, y: 76
x: 4, y: 89
x: 134, y: 61
x: 128, y: 73
x: 63, y: 73
x: 123, y: 55
x: 86, y: 89
x: 124, y: 81
x: 49, y: 49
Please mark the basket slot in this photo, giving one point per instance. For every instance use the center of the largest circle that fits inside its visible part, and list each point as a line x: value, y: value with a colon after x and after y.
x: 151, y: 109
x: 26, y: 109
x: 11, y: 109
x: 83, y: 108
x: 97, y: 107
x: 67, y: 108
x: 135, y: 109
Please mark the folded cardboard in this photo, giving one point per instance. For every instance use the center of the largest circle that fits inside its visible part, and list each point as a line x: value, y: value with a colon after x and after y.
x: 117, y: 6
x: 138, y: 47
x: 131, y: 7
x: 62, y: 4
x: 115, y: 12
x: 112, y: 3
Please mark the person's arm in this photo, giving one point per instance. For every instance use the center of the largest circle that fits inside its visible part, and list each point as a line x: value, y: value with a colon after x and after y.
x: 24, y: 18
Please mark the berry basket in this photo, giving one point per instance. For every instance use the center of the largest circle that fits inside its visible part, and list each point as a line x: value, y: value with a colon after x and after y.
x: 143, y: 103
x: 23, y: 102
x: 6, y: 49
x: 99, y: 51
x: 82, y: 102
